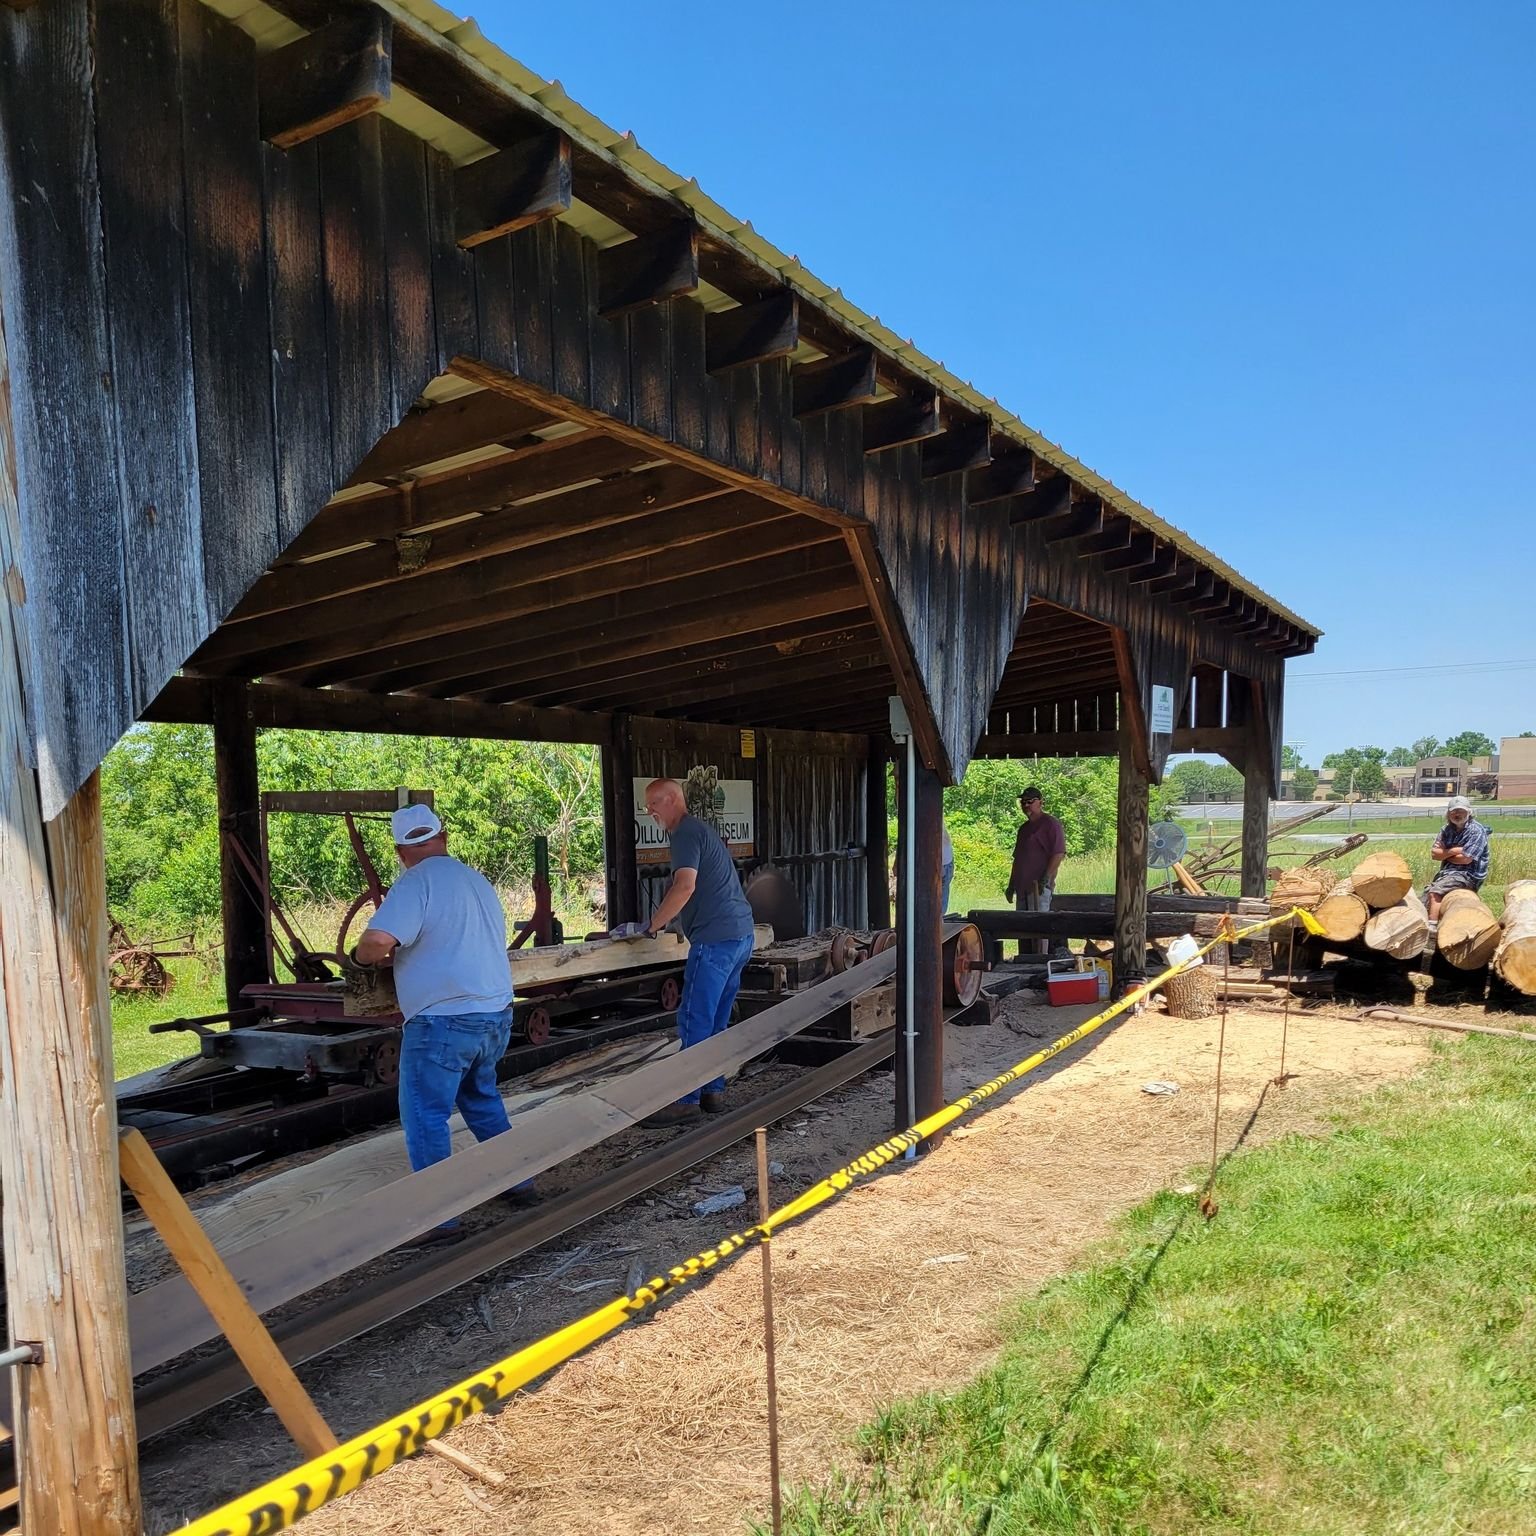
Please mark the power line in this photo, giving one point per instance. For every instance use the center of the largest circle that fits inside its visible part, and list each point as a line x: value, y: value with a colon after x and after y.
x: 1444, y: 669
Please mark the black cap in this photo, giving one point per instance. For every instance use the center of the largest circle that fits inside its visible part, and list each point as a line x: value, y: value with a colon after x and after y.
x: 1031, y: 793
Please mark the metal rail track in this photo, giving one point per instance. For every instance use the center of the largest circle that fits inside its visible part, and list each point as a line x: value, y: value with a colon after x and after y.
x: 183, y: 1393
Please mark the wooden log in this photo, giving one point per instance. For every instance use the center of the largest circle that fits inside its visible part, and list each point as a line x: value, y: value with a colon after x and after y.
x: 1515, y: 959
x: 1382, y: 879
x: 1303, y: 888
x: 1341, y: 914
x: 1469, y: 933
x: 1399, y: 931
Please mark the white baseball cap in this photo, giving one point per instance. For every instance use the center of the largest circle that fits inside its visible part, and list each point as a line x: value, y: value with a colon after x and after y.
x: 1459, y: 803
x: 413, y: 824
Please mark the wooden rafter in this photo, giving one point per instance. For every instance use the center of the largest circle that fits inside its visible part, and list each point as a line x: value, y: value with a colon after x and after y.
x: 513, y: 188
x: 317, y: 83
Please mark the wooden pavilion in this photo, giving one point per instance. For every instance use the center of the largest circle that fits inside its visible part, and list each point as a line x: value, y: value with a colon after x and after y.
x: 355, y: 378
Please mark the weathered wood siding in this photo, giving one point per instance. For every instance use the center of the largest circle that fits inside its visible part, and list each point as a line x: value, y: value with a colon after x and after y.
x: 808, y: 793
x: 209, y: 334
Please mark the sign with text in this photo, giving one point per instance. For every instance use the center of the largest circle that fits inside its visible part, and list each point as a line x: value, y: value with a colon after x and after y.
x: 1161, y: 722
x: 725, y: 804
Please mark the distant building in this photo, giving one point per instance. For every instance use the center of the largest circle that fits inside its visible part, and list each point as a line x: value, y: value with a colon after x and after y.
x: 1440, y: 776
x: 1402, y: 783
x: 1517, y: 768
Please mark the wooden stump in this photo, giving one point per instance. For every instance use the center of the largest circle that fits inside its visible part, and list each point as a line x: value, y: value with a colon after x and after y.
x: 1514, y: 962
x: 1401, y: 931
x: 1469, y: 932
x: 1191, y: 994
x: 1341, y: 914
x: 1382, y: 879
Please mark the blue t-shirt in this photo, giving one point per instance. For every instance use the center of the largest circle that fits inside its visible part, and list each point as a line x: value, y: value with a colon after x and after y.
x: 453, y: 940
x: 1472, y: 839
x: 717, y: 912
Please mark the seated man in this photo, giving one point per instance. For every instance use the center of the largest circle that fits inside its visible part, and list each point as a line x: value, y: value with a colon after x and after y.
x: 1461, y: 851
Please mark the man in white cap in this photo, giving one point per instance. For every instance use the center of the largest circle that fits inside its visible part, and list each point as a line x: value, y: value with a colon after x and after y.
x: 443, y: 926
x: 1461, y: 851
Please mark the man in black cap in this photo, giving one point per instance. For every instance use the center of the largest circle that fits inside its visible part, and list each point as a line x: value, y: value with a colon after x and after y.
x: 1038, y: 850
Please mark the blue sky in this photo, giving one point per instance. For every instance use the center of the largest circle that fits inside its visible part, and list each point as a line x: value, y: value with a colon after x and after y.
x: 1271, y: 269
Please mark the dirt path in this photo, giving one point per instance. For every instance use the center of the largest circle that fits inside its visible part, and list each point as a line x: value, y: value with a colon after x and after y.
x: 895, y: 1289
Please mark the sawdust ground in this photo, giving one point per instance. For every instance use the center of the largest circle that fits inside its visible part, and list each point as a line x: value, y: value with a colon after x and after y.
x: 897, y: 1288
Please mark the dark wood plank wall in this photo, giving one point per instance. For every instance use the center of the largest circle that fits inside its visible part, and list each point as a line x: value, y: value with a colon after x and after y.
x: 808, y: 800
x: 211, y: 334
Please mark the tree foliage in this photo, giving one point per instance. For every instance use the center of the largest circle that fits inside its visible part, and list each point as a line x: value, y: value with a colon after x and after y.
x: 1290, y: 757
x: 1469, y: 744
x: 1401, y: 757
x: 1425, y: 746
x: 161, y: 820
x: 1305, y: 783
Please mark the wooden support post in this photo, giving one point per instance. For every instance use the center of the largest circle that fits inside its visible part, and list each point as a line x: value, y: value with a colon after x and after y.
x: 65, y: 1287
x: 877, y: 855
x: 1255, y: 823
x: 1130, y: 957
x: 926, y: 997
x: 239, y: 800
x: 220, y: 1292
x: 619, y: 764
x: 928, y: 988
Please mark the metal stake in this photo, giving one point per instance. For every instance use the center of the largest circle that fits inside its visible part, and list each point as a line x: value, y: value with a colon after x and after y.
x: 763, y: 1208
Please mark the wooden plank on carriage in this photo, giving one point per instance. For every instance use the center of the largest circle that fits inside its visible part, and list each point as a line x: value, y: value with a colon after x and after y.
x: 167, y: 1319
x: 262, y: 1212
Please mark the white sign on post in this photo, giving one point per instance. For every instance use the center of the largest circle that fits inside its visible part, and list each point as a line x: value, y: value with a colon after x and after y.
x: 1161, y: 723
x: 725, y: 804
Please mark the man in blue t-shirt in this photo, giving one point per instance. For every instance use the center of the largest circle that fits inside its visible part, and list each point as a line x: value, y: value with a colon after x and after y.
x: 706, y: 899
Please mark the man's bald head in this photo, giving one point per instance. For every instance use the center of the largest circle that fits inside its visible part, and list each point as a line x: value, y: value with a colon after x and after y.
x: 665, y: 800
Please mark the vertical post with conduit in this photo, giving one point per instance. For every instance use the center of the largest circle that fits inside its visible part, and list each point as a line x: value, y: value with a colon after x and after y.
x: 876, y: 852
x: 906, y: 1016
x: 235, y: 779
x: 1130, y: 956
x: 928, y: 941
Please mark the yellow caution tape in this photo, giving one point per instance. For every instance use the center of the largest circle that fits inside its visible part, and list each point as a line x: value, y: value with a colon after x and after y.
x: 287, y: 1499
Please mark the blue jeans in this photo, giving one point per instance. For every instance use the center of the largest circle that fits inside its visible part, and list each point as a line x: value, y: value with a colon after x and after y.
x: 448, y: 1060
x: 947, y: 879
x: 711, y: 977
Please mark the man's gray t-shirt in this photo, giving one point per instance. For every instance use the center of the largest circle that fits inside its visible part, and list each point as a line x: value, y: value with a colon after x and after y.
x: 453, y: 940
x: 717, y: 912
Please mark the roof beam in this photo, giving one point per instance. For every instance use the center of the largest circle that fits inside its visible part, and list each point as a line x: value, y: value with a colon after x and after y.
x: 967, y: 445
x: 1137, y: 553
x: 650, y: 269
x: 1160, y: 565
x: 430, y: 651
x: 1049, y: 499
x: 319, y: 82
x: 1009, y: 474
x: 755, y: 332
x: 431, y: 432
x: 190, y: 701
x: 1081, y: 519
x: 1116, y: 535
x: 626, y: 499
x: 833, y: 383
x: 523, y: 184
x: 892, y: 423
x: 1220, y: 598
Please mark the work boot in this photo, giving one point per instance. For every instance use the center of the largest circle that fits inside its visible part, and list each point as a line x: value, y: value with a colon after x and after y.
x: 521, y: 1197
x: 712, y: 1101
x: 673, y: 1114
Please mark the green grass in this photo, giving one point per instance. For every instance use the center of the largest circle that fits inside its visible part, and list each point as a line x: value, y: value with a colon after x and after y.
x: 1350, y: 1346
x: 1425, y: 823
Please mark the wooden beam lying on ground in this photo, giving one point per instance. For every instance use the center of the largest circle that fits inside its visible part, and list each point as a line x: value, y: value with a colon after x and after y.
x: 167, y: 1319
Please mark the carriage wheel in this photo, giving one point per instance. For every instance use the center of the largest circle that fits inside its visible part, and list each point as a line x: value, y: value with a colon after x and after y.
x: 962, y: 967
x: 670, y: 994
x: 536, y: 1026
x: 384, y: 1066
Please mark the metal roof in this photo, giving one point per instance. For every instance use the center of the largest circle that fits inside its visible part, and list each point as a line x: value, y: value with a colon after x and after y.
x: 270, y: 29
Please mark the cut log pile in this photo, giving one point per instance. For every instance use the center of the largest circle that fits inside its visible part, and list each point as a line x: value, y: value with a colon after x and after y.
x: 1469, y: 932
x: 1399, y: 931
x: 1514, y: 961
x: 1381, y: 879
x: 1341, y: 914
